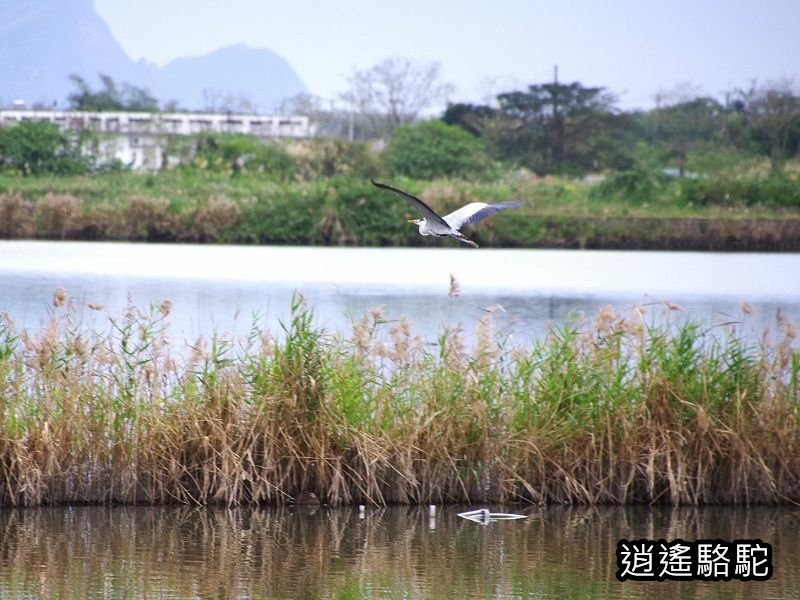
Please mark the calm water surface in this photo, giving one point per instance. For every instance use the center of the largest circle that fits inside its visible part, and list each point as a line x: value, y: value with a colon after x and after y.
x: 556, y: 553
x: 224, y: 288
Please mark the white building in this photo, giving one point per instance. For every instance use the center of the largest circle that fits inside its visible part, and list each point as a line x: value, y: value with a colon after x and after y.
x: 140, y: 139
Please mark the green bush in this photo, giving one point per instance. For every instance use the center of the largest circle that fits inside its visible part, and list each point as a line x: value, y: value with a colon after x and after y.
x: 434, y: 149
x: 637, y: 185
x: 235, y: 153
x: 330, y: 157
x: 284, y: 216
x: 369, y: 216
x: 37, y: 147
x: 774, y: 191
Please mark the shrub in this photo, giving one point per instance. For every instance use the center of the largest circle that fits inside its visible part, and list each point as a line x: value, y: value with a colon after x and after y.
x: 767, y: 191
x: 434, y: 149
x: 213, y: 222
x: 371, y: 216
x: 237, y: 153
x: 15, y: 216
x: 636, y: 185
x: 331, y: 157
x: 57, y: 215
x: 284, y: 216
x: 34, y: 147
x: 149, y: 219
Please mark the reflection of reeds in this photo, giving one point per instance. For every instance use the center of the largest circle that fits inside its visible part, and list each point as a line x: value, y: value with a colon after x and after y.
x: 618, y: 411
x: 187, y: 552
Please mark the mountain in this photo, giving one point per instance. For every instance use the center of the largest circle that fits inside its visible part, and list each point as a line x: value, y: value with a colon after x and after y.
x: 259, y: 76
x: 43, y: 42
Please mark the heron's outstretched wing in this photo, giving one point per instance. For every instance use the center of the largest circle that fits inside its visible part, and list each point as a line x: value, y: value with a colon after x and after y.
x: 477, y: 211
x: 430, y: 216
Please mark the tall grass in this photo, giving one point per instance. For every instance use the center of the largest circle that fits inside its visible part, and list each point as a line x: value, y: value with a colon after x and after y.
x: 609, y: 411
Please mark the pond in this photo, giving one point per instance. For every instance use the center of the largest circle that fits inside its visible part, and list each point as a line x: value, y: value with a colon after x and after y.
x: 557, y: 552
x: 224, y: 289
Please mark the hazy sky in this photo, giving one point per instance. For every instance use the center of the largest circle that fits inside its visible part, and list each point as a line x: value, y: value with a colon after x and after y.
x: 633, y: 47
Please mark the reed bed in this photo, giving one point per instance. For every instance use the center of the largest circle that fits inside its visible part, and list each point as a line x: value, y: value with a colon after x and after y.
x: 610, y: 410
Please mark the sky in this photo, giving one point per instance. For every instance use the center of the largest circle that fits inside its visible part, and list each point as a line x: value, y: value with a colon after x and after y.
x: 634, y: 48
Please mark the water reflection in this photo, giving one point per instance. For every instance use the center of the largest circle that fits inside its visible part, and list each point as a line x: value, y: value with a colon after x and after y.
x: 557, y: 552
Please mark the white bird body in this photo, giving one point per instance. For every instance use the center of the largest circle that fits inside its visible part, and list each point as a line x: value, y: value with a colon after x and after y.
x: 449, y: 225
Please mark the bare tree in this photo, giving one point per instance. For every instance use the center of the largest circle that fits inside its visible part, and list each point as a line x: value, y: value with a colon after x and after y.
x: 215, y: 100
x: 327, y: 119
x: 300, y: 104
x: 395, y: 91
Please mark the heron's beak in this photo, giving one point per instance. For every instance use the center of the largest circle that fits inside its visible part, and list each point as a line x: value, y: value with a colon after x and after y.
x: 412, y: 221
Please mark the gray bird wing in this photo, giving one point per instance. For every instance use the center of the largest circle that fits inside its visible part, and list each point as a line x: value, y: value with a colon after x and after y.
x: 477, y: 211
x: 430, y: 216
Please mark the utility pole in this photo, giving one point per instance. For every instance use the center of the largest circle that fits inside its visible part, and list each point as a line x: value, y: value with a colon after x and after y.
x: 350, y: 132
x: 555, y: 74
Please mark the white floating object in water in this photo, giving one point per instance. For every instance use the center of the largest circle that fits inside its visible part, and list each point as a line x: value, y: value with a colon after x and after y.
x: 484, y: 517
x: 432, y: 510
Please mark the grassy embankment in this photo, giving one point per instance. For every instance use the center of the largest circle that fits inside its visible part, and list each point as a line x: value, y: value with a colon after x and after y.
x: 609, y: 411
x: 628, y: 210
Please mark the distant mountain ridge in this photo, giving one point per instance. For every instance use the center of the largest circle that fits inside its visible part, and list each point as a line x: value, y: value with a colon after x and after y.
x: 42, y: 43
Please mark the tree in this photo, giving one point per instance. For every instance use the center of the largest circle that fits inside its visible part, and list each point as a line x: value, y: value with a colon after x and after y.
x: 327, y: 120
x: 555, y: 127
x: 395, y: 92
x: 217, y: 101
x: 469, y: 116
x: 773, y: 113
x: 35, y: 147
x: 687, y: 125
x: 434, y: 149
x: 111, y: 97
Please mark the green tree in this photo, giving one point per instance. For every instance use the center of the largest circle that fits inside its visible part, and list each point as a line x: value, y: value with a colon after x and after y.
x: 434, y: 149
x: 111, y: 97
x: 555, y: 127
x: 773, y: 114
x: 687, y: 126
x: 469, y: 116
x: 35, y: 147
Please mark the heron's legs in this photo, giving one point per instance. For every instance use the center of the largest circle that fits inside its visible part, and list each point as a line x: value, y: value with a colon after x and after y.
x: 464, y: 240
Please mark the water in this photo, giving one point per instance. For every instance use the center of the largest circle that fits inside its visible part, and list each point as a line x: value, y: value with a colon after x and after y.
x: 224, y: 288
x: 397, y: 552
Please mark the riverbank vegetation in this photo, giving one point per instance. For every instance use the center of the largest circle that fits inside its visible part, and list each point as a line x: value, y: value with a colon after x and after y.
x: 611, y: 410
x: 631, y: 210
x: 692, y: 173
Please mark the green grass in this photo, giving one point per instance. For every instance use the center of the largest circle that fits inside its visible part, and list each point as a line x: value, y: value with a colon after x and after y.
x: 609, y: 411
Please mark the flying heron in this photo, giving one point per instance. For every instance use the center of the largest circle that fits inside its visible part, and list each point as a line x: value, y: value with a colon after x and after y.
x: 449, y: 225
